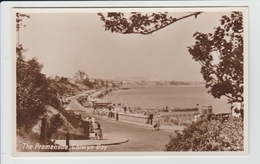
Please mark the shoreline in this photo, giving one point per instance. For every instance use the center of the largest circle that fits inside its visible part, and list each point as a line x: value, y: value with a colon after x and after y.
x: 170, y: 109
x: 138, y: 86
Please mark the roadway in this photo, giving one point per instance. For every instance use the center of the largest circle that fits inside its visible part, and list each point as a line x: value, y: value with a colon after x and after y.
x: 139, y: 138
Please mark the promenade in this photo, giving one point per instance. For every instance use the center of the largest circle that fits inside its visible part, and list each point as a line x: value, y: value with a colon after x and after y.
x: 128, y: 133
x: 75, y: 106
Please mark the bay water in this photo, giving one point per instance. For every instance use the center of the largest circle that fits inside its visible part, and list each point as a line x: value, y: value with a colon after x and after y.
x: 172, y: 96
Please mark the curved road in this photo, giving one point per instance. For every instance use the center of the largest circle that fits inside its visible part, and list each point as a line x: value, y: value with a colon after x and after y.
x: 139, y: 138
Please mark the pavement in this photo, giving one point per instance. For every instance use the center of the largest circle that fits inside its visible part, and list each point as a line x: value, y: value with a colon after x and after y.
x: 162, y: 127
x: 107, y: 140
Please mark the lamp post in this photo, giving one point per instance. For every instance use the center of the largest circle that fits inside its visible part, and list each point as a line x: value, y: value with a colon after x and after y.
x: 116, y: 111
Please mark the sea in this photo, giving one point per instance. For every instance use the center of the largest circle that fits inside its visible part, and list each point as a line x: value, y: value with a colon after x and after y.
x: 172, y: 96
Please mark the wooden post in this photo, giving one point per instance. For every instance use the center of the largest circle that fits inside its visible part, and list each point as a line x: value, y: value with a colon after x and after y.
x: 68, y: 139
x: 116, y: 116
x: 43, y: 130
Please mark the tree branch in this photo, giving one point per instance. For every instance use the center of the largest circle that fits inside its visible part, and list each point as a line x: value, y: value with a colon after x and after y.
x: 174, y: 20
x: 133, y: 27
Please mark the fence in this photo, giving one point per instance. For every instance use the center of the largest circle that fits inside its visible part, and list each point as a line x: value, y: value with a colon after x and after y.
x: 177, y: 118
x: 75, y: 122
x: 131, y: 117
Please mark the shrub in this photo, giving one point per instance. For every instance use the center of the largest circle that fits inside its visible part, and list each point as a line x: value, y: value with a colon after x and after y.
x: 209, y: 136
x: 55, y: 122
x: 55, y: 102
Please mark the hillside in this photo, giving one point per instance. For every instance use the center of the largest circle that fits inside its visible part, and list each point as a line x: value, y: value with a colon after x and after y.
x: 66, y: 88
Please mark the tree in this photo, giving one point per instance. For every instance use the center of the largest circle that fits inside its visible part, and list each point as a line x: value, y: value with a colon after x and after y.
x: 88, y: 83
x: 32, y: 92
x: 102, y: 83
x: 225, y: 45
x: 138, y: 23
x: 32, y: 88
x: 113, y: 85
x: 106, y: 84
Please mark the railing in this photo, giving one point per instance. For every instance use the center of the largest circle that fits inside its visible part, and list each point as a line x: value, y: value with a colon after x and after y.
x: 131, y: 117
x: 165, y: 120
x: 75, y: 122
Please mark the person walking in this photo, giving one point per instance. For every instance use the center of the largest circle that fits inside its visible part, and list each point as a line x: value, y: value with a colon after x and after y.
x: 125, y: 109
x: 92, y: 124
x: 157, y: 122
x: 109, y: 113
x: 151, y: 118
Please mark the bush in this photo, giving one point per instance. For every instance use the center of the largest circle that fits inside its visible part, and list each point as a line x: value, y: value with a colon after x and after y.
x: 55, y: 102
x: 55, y: 122
x: 209, y: 136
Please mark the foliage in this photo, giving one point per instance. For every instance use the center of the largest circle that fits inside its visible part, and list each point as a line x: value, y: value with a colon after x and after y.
x: 225, y: 45
x: 55, y: 102
x: 32, y: 92
x: 113, y: 85
x: 178, y: 83
x: 19, y: 17
x: 63, y: 79
x: 88, y: 83
x: 63, y: 87
x: 55, y: 122
x: 138, y: 23
x: 209, y: 136
x: 102, y: 83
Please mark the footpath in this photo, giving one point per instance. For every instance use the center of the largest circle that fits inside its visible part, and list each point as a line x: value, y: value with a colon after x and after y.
x: 107, y: 140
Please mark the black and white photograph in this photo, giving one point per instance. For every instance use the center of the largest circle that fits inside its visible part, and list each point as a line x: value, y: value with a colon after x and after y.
x: 130, y: 80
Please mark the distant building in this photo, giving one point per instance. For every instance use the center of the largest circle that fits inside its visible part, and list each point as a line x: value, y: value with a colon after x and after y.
x: 206, y: 109
x: 80, y: 75
x: 92, y: 80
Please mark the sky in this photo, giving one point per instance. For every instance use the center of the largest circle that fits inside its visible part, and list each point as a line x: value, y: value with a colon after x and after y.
x: 69, y: 41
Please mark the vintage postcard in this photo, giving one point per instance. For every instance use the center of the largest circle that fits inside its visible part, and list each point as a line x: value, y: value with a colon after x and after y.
x: 130, y: 81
